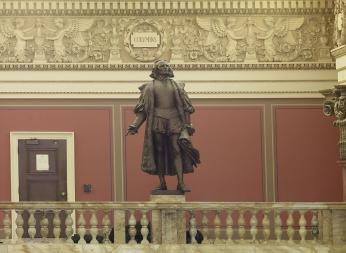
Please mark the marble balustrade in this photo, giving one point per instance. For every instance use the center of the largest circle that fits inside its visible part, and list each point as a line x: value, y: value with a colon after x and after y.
x: 205, y: 223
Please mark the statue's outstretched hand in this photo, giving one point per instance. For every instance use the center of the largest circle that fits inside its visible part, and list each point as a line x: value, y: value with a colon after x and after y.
x: 190, y: 129
x: 132, y: 130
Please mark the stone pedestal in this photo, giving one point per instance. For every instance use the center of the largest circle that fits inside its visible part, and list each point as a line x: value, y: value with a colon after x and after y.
x: 339, y: 226
x: 169, y: 225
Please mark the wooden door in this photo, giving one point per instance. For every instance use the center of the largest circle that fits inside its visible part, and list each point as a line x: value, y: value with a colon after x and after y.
x: 42, y: 170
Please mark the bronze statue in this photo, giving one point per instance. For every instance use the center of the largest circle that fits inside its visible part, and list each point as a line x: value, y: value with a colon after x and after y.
x: 167, y: 148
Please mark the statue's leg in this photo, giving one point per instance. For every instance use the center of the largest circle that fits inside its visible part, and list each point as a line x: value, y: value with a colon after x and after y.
x: 160, y: 159
x: 178, y: 163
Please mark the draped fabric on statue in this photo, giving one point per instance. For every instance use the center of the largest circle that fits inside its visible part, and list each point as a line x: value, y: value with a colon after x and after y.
x: 145, y: 110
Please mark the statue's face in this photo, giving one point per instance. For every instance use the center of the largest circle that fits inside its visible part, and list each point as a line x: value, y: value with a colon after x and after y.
x: 163, y: 68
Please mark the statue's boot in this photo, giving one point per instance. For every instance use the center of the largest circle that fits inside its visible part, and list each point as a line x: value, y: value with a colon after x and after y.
x: 181, y: 186
x: 162, y: 186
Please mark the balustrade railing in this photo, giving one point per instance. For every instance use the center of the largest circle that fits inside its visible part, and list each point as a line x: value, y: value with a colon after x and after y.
x: 132, y: 222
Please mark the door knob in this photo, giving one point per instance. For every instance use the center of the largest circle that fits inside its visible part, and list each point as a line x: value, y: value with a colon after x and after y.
x: 63, y: 194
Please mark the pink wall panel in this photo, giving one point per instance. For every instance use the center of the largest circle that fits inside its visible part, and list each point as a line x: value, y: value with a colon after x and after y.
x: 306, y: 153
x: 230, y: 142
x: 92, y: 128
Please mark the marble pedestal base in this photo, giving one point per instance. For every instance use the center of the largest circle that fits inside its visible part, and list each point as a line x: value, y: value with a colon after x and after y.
x: 169, y: 224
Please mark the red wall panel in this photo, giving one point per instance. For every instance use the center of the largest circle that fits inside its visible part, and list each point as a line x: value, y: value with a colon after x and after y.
x: 230, y: 143
x: 92, y: 128
x: 306, y: 155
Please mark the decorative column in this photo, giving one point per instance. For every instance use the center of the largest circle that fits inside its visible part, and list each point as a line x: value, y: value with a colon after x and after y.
x: 335, y: 105
x: 335, y: 99
x: 334, y: 222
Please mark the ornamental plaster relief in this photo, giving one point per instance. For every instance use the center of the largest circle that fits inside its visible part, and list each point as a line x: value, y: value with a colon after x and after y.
x: 181, y: 40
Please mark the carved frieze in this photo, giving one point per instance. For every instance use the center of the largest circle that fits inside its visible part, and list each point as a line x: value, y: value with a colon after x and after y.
x: 192, y: 34
x: 195, y: 39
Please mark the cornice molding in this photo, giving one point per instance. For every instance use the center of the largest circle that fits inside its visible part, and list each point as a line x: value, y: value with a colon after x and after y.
x: 137, y: 93
x: 187, y: 66
x: 156, y: 7
x: 339, y: 51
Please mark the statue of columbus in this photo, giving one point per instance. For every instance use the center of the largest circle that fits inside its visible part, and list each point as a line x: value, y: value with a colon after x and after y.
x: 166, y: 107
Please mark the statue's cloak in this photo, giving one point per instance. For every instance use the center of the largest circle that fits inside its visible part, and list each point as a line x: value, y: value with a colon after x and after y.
x: 145, y: 111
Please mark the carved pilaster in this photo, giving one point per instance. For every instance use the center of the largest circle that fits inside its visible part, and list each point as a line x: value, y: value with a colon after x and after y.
x: 335, y: 106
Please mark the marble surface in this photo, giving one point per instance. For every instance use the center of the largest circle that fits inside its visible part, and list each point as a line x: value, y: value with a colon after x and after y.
x: 168, y: 248
x: 168, y: 198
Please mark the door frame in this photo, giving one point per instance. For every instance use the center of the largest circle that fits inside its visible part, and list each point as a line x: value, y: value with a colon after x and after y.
x: 70, y: 168
x: 70, y: 160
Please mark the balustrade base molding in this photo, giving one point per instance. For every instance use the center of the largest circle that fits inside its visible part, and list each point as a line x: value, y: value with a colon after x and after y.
x: 168, y: 225
x: 168, y: 248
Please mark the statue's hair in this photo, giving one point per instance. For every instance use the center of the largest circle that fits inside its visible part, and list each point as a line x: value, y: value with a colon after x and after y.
x: 155, y: 74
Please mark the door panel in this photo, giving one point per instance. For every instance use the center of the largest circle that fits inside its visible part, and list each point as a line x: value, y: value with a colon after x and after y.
x: 42, y: 170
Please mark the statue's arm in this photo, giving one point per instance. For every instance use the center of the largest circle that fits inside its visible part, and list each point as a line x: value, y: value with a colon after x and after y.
x: 188, y: 109
x: 136, y: 124
x: 140, y: 114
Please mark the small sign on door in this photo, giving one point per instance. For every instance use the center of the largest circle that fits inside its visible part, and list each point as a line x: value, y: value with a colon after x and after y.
x: 42, y: 162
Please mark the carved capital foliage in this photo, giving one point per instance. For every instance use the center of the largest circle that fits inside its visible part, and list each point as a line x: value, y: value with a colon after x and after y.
x: 335, y: 105
x: 116, y: 35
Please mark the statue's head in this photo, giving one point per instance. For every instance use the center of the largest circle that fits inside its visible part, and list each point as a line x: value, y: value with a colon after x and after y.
x: 161, y: 70
x: 59, y: 22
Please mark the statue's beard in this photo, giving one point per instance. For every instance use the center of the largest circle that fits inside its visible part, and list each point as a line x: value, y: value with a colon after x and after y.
x: 165, y: 73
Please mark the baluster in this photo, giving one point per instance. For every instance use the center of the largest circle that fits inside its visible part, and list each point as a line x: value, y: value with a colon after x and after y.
x: 56, y: 223
x: 193, y: 228
x: 302, y: 226
x: 93, y: 226
x: 31, y: 224
x: 106, y: 222
x: 266, y: 225
x: 229, y: 224
x: 205, y: 228
x: 253, y: 225
x: 19, y: 223
x: 290, y: 229
x: 7, y: 224
x: 81, y: 226
x: 69, y: 224
x: 144, y: 229
x: 132, y: 227
x: 241, y: 225
x: 217, y: 229
x: 314, y: 226
x: 44, y: 226
x: 278, y: 225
